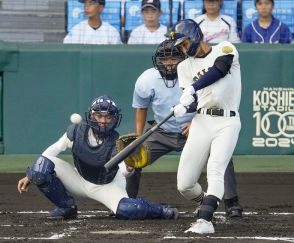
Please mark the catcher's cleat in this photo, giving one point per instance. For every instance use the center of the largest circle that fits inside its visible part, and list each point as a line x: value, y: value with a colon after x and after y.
x: 63, y: 213
x: 201, y: 226
x: 170, y: 213
x: 233, y: 208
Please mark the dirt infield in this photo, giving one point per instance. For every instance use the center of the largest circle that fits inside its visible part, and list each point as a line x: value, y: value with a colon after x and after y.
x: 268, y: 202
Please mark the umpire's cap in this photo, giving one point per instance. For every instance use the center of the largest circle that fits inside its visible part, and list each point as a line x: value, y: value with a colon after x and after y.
x: 102, y: 2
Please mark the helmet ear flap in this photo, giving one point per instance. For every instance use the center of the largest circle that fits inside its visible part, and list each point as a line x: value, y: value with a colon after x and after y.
x: 188, y: 28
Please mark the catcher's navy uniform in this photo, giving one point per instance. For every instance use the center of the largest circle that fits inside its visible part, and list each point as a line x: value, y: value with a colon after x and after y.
x: 92, y: 143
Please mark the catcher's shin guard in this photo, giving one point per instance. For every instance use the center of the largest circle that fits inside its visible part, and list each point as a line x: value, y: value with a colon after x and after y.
x: 208, y: 207
x: 140, y: 208
x: 42, y: 174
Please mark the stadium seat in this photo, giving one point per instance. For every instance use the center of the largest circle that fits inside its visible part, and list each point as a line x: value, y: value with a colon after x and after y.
x: 192, y: 9
x: 283, y: 10
x: 133, y: 16
x: 110, y: 14
x: 230, y: 8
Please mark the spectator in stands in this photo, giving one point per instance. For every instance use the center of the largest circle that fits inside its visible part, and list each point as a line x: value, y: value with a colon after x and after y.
x: 93, y: 30
x: 215, y: 26
x: 267, y: 28
x: 151, y: 32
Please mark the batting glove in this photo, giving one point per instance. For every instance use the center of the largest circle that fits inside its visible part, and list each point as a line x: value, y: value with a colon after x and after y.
x: 179, y: 110
x: 187, y: 96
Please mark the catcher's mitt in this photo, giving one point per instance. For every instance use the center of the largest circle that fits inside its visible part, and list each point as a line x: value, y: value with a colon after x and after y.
x: 140, y: 157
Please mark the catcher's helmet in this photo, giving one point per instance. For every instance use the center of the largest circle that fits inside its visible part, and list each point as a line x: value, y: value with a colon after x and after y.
x: 103, y: 105
x: 187, y: 29
x: 165, y: 60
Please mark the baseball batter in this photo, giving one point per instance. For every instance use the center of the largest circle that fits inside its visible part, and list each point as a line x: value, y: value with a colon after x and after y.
x: 92, y: 143
x: 213, y: 73
x: 158, y: 89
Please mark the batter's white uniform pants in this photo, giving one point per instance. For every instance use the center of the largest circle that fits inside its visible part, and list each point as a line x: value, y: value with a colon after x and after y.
x: 108, y: 194
x: 211, y: 140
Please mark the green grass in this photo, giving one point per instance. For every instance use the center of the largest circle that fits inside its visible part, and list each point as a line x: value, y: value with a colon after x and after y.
x: 169, y: 163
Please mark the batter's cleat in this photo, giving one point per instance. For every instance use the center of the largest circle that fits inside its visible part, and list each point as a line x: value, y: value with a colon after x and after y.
x: 233, y: 208
x: 201, y: 226
x: 170, y: 213
x: 199, y: 201
x: 63, y: 213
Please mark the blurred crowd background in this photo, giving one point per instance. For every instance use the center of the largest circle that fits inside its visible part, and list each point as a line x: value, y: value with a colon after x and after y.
x: 49, y: 21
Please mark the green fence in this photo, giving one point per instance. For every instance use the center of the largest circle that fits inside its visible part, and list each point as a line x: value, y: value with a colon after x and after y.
x: 41, y: 85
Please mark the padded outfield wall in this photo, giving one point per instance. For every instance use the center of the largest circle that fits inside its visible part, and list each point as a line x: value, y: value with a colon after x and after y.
x: 41, y: 85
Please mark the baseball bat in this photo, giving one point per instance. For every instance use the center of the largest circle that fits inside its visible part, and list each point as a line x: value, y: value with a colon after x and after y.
x: 132, y: 146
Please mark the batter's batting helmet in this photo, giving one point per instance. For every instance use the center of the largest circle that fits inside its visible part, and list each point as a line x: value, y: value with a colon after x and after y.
x: 105, y: 106
x: 187, y: 29
x: 165, y: 60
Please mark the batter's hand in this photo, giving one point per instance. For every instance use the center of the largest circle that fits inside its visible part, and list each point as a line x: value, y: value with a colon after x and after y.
x: 186, y: 128
x: 187, y: 96
x: 23, y: 185
x: 179, y: 110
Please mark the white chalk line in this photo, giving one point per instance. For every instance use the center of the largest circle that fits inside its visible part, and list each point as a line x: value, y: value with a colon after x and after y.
x: 119, y: 232
x: 69, y: 231
x: 233, y: 238
x: 105, y: 212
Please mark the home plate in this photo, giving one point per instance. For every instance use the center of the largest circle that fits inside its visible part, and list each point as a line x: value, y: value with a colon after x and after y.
x: 119, y: 232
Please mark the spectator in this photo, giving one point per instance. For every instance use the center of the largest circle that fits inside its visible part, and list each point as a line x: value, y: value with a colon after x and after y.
x: 151, y: 32
x: 267, y: 28
x: 93, y: 30
x: 215, y: 26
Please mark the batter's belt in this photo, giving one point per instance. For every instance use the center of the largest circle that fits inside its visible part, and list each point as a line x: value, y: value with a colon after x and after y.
x: 216, y: 112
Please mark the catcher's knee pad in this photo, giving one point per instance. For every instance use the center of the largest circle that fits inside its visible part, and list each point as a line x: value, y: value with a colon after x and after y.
x: 41, y: 172
x: 43, y: 175
x: 138, y: 208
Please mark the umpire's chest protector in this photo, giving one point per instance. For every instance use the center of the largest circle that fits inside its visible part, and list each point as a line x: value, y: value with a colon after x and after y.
x: 89, y: 160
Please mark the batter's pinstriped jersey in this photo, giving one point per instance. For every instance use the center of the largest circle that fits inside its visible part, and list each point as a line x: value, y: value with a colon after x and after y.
x: 226, y: 92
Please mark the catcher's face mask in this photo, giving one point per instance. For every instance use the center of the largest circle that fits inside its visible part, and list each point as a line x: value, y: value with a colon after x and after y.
x: 166, y: 60
x: 103, y: 116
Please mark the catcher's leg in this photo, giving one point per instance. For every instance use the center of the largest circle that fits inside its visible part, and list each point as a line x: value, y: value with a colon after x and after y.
x: 140, y: 208
x: 133, y: 183
x: 43, y: 175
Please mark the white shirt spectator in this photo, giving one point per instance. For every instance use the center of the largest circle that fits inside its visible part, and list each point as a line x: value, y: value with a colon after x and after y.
x: 141, y: 35
x: 83, y: 33
x: 223, y: 28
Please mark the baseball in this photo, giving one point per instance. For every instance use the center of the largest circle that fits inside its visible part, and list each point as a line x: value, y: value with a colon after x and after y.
x: 75, y: 118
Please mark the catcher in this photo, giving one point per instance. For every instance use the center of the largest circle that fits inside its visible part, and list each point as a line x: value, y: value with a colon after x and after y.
x: 93, y: 143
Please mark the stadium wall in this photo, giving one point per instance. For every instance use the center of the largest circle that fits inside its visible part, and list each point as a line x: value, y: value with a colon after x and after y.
x: 41, y: 85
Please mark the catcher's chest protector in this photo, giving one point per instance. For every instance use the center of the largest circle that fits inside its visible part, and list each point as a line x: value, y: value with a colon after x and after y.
x: 89, y: 160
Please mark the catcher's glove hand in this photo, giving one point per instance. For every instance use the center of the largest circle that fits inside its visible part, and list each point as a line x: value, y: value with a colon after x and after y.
x: 140, y: 157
